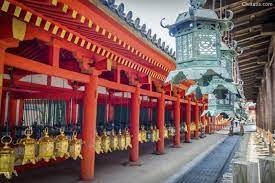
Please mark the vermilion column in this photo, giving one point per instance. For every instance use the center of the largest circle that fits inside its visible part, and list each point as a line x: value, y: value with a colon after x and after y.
x: 74, y: 104
x: 188, y: 120
x: 12, y: 112
x: 208, y: 125
x: 21, y: 111
x: 110, y: 108
x: 134, y: 125
x: 197, y: 117
x: 160, y: 124
x: 3, y: 109
x: 2, y: 56
x: 177, y: 122
x: 89, y: 129
x: 68, y: 111
x: 203, y: 117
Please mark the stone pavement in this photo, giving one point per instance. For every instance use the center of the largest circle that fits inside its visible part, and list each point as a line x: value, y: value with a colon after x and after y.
x: 211, y: 167
x: 108, y: 169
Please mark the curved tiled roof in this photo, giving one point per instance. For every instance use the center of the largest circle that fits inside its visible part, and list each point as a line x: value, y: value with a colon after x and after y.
x: 141, y: 29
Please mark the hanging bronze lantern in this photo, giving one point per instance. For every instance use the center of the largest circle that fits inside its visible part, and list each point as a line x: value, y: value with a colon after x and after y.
x: 149, y: 134
x: 143, y: 134
x: 114, y: 141
x: 165, y: 132
x: 75, y: 147
x: 192, y: 127
x: 98, y: 141
x: 26, y: 148
x: 171, y: 131
x: 106, y: 142
x: 156, y: 133
x: 61, y: 145
x: 152, y: 134
x: 185, y: 128
x: 7, y: 158
x: 139, y: 137
x: 127, y: 138
x: 46, y: 147
x: 121, y: 140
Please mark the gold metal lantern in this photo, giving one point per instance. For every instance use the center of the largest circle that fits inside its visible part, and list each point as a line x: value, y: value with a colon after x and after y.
x: 46, y: 147
x: 26, y: 148
x: 106, y: 142
x: 165, y: 132
x: 121, y: 141
x: 139, y: 137
x: 192, y: 127
x: 98, y: 142
x: 153, y: 134
x: 114, y: 141
x: 61, y: 145
x: 156, y: 134
x: 143, y: 134
x: 127, y: 138
x: 149, y: 135
x: 75, y: 147
x: 7, y: 158
x: 171, y: 131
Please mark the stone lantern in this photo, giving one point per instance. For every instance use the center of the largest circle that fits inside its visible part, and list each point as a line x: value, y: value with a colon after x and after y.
x: 203, y: 57
x: 198, y: 39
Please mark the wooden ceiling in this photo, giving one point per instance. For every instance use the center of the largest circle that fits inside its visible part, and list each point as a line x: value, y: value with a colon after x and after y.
x: 254, y: 26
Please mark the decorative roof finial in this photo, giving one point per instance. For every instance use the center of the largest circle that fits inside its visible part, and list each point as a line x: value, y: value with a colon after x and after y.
x: 196, y: 4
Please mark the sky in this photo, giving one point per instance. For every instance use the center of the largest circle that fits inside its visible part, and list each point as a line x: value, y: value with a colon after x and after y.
x: 152, y: 11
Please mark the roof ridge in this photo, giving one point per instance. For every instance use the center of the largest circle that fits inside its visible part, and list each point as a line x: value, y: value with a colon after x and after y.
x: 119, y: 11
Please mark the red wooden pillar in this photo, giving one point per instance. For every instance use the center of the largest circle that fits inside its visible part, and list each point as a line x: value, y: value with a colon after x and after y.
x: 197, y: 117
x: 12, y: 111
x: 74, y: 112
x: 177, y: 122
x: 54, y: 55
x: 2, y: 99
x: 160, y: 124
x: 21, y: 111
x: 68, y: 111
x: 3, y: 111
x: 209, y: 124
x: 203, y: 117
x: 134, y: 124
x: 213, y: 124
x: 188, y: 120
x: 110, y: 107
x: 150, y: 111
x: 89, y: 129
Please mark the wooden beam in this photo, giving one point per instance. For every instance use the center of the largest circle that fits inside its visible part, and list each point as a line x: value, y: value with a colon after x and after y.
x: 262, y: 62
x: 247, y: 64
x: 252, y: 55
x: 253, y: 11
x: 253, y: 42
x: 268, y: 29
x: 251, y: 59
x: 257, y: 51
x: 247, y: 36
x: 33, y: 66
x: 229, y: 3
x: 252, y: 70
x: 253, y: 23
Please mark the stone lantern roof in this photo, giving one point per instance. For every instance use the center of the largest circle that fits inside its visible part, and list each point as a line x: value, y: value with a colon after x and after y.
x: 197, y: 14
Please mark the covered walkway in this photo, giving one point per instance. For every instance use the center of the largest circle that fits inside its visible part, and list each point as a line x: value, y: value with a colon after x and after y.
x: 109, y: 167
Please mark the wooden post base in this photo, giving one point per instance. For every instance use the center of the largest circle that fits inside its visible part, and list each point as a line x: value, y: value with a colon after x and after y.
x: 245, y: 172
